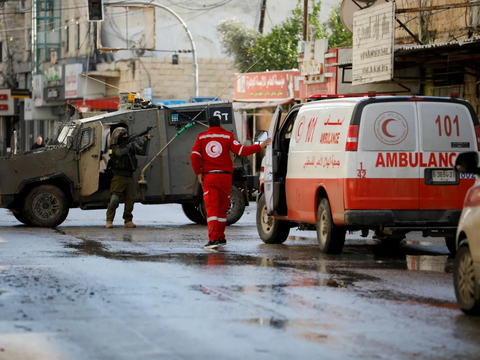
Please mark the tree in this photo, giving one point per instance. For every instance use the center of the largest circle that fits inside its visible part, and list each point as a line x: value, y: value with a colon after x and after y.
x: 337, y: 34
x: 278, y: 50
x: 237, y: 41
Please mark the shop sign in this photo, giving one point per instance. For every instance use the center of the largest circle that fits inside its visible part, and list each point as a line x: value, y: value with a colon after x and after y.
x: 266, y: 86
x: 373, y: 39
x: 313, y: 64
x: 53, y: 76
x: 21, y: 94
x: 73, y: 81
x: 6, y: 103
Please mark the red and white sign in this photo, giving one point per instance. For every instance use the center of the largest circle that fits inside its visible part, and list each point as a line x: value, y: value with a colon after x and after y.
x: 328, y: 86
x: 265, y: 86
x: 6, y: 103
x: 73, y: 81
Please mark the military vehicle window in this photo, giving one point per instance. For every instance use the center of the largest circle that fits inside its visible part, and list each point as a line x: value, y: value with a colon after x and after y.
x: 86, y: 138
x: 64, y: 134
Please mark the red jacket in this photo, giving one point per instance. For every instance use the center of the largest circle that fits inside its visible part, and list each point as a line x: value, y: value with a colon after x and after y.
x: 212, y: 150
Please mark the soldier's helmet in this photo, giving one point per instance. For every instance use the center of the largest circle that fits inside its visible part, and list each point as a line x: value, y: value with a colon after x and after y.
x: 116, y: 134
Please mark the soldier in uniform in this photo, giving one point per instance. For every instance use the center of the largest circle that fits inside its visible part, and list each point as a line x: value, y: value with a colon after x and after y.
x: 123, y: 161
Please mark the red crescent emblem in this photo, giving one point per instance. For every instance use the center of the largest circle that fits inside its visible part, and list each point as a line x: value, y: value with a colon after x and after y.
x: 384, y: 128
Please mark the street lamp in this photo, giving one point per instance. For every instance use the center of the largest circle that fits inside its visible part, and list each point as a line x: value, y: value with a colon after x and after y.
x: 152, y: 3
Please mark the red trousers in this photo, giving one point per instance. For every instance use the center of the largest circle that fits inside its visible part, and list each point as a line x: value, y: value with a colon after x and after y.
x: 216, y: 193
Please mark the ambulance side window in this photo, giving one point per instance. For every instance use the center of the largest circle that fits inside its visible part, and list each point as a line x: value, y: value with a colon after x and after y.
x: 389, y: 126
x: 286, y: 131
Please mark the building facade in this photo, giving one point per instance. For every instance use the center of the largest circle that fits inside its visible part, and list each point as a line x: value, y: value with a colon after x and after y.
x: 49, y: 48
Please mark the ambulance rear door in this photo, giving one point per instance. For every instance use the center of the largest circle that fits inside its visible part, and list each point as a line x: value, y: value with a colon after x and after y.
x: 447, y: 127
x: 386, y: 172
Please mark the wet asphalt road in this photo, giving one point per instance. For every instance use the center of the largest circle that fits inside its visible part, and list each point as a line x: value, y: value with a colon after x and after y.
x: 85, y: 292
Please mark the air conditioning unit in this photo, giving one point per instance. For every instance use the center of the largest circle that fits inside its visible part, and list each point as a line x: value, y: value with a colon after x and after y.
x: 474, y: 17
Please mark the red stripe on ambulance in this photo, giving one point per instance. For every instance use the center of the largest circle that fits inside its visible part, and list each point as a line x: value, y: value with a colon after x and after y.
x: 415, y: 159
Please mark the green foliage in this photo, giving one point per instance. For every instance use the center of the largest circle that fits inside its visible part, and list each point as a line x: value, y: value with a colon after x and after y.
x: 337, y: 34
x: 237, y: 41
x: 277, y: 50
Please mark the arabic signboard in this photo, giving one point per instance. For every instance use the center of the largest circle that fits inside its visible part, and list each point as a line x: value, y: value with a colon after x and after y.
x: 266, y: 86
x: 373, y: 39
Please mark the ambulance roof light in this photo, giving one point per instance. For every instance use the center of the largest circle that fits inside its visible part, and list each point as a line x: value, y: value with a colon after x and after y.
x: 372, y: 94
x: 454, y: 95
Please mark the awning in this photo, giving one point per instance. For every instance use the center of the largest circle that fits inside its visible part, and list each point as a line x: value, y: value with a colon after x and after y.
x: 240, y: 105
x: 460, y: 53
x: 106, y: 103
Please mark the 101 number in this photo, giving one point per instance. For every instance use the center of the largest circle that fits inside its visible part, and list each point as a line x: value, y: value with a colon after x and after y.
x: 447, y: 125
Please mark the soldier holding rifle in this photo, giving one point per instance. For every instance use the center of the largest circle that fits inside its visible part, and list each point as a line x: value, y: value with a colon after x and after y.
x: 123, y: 161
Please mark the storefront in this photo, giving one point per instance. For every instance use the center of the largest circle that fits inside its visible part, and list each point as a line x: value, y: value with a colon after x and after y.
x: 256, y: 97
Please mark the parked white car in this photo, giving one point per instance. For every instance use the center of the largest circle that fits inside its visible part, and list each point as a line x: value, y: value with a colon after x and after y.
x: 466, y: 270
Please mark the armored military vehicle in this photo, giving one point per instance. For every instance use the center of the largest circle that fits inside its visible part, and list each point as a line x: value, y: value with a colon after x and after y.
x: 40, y: 186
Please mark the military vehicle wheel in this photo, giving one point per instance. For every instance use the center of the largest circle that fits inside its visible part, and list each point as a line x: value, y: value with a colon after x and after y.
x: 20, y: 217
x: 331, y: 238
x: 235, y: 209
x: 270, y: 230
x: 46, y: 206
x: 193, y: 213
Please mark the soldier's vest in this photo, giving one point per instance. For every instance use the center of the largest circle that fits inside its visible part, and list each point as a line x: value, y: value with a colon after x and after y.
x: 126, y: 162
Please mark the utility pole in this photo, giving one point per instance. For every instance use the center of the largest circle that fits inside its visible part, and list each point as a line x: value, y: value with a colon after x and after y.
x: 305, y: 20
x: 262, y: 16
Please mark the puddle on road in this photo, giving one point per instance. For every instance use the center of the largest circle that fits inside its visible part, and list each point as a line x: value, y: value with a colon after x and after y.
x: 319, y: 333
x: 91, y: 247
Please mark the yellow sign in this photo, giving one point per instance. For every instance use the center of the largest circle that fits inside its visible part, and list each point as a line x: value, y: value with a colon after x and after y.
x: 131, y: 97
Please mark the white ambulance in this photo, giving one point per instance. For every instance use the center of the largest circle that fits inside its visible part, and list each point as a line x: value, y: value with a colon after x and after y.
x: 367, y: 163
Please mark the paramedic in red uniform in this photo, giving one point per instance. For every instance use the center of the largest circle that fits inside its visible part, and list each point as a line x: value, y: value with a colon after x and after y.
x: 212, y: 163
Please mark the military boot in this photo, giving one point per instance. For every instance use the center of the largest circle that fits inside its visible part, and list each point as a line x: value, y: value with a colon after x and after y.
x: 130, y: 224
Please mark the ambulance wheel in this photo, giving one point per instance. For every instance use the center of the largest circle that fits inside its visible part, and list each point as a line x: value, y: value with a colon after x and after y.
x: 271, y: 230
x: 193, y: 213
x: 235, y: 209
x: 451, y: 244
x: 331, y: 238
x: 46, y: 206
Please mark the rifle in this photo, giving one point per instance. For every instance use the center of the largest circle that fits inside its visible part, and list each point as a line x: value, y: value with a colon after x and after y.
x: 135, y: 136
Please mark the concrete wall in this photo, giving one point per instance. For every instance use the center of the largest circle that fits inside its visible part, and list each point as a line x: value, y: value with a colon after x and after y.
x: 12, y: 36
x: 471, y: 92
x: 173, y: 81
x: 438, y: 25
